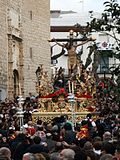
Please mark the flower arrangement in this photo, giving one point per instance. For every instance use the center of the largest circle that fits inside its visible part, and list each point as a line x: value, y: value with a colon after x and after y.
x: 59, y: 94
x: 83, y: 133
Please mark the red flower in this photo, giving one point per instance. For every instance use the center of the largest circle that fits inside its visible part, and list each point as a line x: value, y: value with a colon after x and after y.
x: 90, y: 109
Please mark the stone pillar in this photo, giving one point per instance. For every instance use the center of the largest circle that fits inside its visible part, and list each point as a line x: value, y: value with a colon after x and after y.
x: 21, y: 65
x: 10, y: 68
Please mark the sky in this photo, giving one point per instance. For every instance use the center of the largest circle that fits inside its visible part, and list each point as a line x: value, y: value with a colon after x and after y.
x: 78, y: 5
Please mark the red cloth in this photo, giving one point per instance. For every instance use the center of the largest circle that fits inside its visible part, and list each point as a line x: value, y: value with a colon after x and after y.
x: 83, y: 96
x: 31, y: 131
x: 56, y: 93
x: 90, y: 108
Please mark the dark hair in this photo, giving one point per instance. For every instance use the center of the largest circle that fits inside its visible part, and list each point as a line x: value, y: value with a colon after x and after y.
x: 37, y: 140
x: 68, y: 126
x: 108, y: 147
x: 80, y: 155
x: 89, y: 115
x: 97, y: 145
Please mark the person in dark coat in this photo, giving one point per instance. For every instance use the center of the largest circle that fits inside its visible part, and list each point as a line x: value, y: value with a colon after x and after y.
x: 50, y: 142
x: 69, y: 135
x: 21, y: 148
x: 36, y: 147
x: 16, y: 141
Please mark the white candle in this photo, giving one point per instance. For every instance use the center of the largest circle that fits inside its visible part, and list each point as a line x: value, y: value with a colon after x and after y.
x: 20, y: 89
x: 69, y: 86
x: 72, y: 87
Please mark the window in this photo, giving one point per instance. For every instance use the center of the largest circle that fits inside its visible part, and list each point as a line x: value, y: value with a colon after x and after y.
x: 105, y: 60
x: 31, y: 54
x: 31, y: 15
x: 104, y: 64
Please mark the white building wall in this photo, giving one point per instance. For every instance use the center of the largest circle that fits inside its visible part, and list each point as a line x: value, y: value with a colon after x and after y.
x: 70, y: 20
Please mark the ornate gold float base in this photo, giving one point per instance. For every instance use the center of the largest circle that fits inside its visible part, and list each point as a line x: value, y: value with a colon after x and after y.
x: 48, y: 116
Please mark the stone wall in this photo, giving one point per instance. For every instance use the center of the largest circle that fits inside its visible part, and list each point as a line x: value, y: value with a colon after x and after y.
x: 24, y: 24
x: 3, y: 50
x: 36, y: 32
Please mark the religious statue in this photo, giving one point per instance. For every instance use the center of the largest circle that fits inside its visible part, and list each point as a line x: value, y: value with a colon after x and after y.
x: 55, y: 57
x: 39, y: 72
x: 59, y: 79
x: 71, y: 46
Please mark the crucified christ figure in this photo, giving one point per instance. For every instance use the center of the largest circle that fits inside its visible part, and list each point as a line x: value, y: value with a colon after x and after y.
x: 71, y: 49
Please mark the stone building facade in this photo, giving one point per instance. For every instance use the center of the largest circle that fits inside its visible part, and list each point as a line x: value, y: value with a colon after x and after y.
x: 24, y: 31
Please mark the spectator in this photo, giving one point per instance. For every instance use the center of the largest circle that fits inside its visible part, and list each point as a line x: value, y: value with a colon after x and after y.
x: 39, y: 156
x: 108, y: 148
x: 106, y: 157
x: 50, y: 143
x: 67, y: 154
x: 36, y: 147
x: 28, y: 156
x: 5, y: 152
x: 117, y: 152
x: 107, y: 136
x: 54, y: 156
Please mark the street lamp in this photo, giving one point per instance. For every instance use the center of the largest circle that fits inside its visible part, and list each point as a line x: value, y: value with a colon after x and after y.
x: 71, y: 100
x: 20, y: 112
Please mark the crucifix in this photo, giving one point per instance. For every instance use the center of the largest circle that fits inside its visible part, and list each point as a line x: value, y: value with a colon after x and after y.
x: 71, y: 46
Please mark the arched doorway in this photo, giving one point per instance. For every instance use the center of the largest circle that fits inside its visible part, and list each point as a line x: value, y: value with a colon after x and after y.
x: 16, y: 82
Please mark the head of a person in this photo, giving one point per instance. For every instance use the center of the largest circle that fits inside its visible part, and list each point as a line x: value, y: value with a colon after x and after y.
x: 48, y: 135
x: 106, y: 157
x: 88, y: 146
x: 21, y: 137
x: 39, y: 156
x: 107, y: 136
x: 5, y: 152
x: 67, y: 154
x: 108, y: 148
x: 54, y: 156
x: 36, y: 140
x: 117, y: 151
x: 28, y: 156
x: 67, y: 126
x: 97, y: 145
x: 89, y: 116
x: 58, y: 146
x: 30, y: 123
x: 80, y: 155
x: 46, y: 155
x: 97, y: 139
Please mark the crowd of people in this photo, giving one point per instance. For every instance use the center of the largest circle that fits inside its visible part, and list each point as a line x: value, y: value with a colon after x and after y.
x: 57, y: 140
x: 89, y: 139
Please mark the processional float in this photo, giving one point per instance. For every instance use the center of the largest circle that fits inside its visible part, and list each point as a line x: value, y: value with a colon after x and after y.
x: 72, y: 95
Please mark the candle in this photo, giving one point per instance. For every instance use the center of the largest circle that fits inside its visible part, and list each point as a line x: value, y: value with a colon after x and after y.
x: 69, y: 87
x: 72, y: 87
x: 20, y: 89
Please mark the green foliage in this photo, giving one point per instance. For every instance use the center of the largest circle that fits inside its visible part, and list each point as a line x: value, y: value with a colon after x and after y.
x: 109, y: 22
